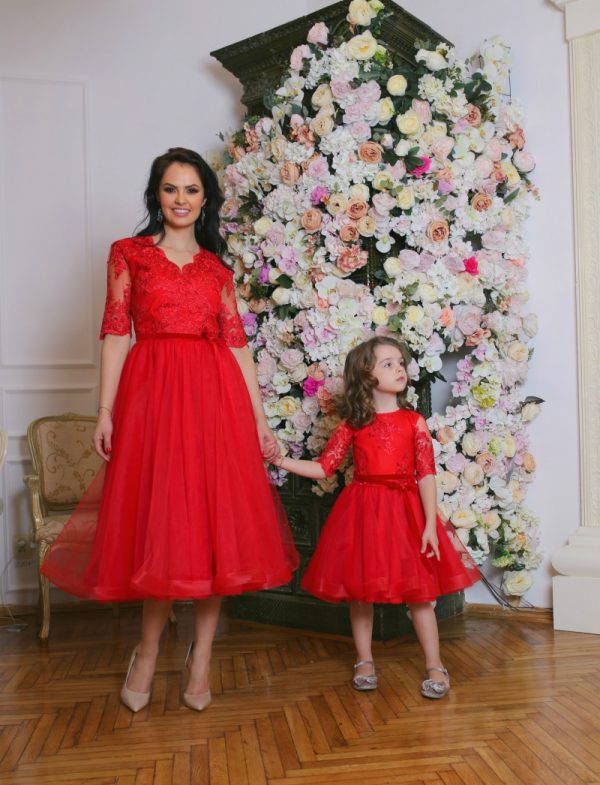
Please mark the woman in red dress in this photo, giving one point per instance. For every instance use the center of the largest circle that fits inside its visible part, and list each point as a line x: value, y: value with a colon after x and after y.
x: 182, y: 507
x: 384, y: 541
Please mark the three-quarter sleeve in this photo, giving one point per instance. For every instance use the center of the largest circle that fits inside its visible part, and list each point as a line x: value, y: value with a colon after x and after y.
x: 117, y: 311
x: 336, y: 448
x: 424, y: 458
x: 230, y: 324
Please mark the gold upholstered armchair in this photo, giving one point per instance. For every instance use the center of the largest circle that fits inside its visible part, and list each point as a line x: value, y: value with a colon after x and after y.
x: 64, y: 464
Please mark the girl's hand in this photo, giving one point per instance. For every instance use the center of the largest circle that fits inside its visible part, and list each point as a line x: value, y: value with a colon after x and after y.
x: 268, y: 443
x: 103, y: 435
x: 430, y: 540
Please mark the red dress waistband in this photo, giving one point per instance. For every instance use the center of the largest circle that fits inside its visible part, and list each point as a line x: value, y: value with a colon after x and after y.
x: 163, y: 336
x: 401, y: 482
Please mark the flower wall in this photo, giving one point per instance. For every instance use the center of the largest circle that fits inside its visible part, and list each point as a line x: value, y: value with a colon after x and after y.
x: 429, y: 165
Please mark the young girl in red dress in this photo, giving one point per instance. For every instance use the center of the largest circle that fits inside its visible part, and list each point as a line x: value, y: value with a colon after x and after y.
x: 384, y: 541
x: 182, y: 507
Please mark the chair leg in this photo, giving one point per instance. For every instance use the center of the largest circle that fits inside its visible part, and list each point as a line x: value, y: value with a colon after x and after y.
x: 44, y: 596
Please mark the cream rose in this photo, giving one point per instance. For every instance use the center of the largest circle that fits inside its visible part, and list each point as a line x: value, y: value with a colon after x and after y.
x: 322, y: 96
x: 278, y: 146
x: 337, y: 203
x: 473, y: 474
x: 471, y: 443
x: 491, y: 520
x: 529, y: 412
x: 383, y: 181
x: 362, y: 47
x: 281, y: 296
x: 360, y: 13
x: 405, y: 198
x: 464, y: 519
x: 427, y: 293
x: 367, y: 226
x: 447, y: 481
x: 516, y: 583
x: 322, y: 124
x: 359, y: 191
x: 262, y: 226
x: 408, y: 123
x: 392, y: 266
x: 380, y: 316
x: 510, y: 172
x: 290, y: 172
x: 445, y: 435
x: 414, y: 313
x: 396, y: 85
x: 487, y: 462
x: 287, y: 406
x: 386, y: 110
x: 517, y: 352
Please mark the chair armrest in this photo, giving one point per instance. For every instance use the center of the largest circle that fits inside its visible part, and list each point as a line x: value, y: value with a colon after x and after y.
x: 32, y: 481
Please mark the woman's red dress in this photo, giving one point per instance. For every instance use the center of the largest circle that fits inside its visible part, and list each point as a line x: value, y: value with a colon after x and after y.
x: 370, y: 547
x: 184, y: 507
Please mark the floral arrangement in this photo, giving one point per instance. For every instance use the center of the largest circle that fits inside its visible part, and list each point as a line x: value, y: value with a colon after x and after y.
x: 424, y: 166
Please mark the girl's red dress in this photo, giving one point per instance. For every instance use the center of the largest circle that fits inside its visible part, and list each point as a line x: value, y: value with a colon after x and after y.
x: 184, y: 507
x: 370, y: 547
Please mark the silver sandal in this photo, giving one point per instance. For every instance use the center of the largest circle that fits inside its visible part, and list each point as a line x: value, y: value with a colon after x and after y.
x: 436, y: 689
x: 360, y: 682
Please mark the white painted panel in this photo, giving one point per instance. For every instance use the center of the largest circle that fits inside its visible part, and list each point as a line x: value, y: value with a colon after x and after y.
x: 23, y: 406
x: 46, y: 293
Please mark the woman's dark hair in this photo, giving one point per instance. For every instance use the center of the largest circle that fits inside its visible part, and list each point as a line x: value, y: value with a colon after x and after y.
x: 207, y: 226
x: 355, y: 404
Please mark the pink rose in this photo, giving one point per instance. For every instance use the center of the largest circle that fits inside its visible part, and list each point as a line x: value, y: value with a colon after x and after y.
x: 446, y: 317
x: 352, y: 258
x: 360, y: 130
x: 317, y: 167
x: 349, y: 233
x: 517, y: 138
x: 423, y: 110
x: 311, y: 386
x: 419, y: 171
x: 297, y: 57
x: 471, y: 266
x: 442, y: 147
x: 445, y: 435
x: 318, y: 34
x: 290, y: 172
x: 524, y: 162
x: 484, y: 166
x: 493, y: 149
x: 398, y: 170
x: 410, y: 259
x: 340, y: 88
x: 468, y: 318
x: 383, y: 203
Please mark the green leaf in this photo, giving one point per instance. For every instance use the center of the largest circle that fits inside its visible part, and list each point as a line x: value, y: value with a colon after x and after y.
x: 285, y: 281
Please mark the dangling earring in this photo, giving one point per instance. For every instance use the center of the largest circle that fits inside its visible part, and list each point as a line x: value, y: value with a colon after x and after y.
x: 159, y: 215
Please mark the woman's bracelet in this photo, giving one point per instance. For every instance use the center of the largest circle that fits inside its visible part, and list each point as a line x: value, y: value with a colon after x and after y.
x: 106, y: 408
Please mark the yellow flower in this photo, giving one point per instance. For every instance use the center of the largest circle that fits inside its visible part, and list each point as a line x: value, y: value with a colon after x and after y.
x: 414, y: 314
x: 405, y: 198
x: 362, y: 47
x: 409, y: 123
x: 382, y: 181
x: 262, y: 226
x: 396, y: 84
x: 386, y: 110
x: 380, y: 316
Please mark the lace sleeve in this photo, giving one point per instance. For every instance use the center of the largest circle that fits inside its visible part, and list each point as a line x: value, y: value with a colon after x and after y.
x: 230, y: 324
x: 336, y: 448
x: 117, y: 311
x: 424, y: 460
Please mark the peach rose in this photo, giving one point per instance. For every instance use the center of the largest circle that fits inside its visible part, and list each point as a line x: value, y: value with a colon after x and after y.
x: 481, y: 202
x: 322, y: 124
x: 473, y: 116
x: 290, y: 172
x: 349, y: 233
x: 445, y: 435
x: 487, y: 462
x: 446, y: 316
x: 370, y: 152
x: 477, y: 337
x: 312, y: 220
x: 529, y: 463
x: 438, y: 231
x: 356, y: 209
x: 517, y: 138
x: 351, y: 259
x: 257, y: 306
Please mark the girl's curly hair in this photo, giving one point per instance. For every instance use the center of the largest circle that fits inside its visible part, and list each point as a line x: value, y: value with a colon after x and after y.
x: 355, y: 404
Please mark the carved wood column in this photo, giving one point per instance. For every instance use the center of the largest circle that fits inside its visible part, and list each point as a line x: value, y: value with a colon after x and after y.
x: 576, y: 590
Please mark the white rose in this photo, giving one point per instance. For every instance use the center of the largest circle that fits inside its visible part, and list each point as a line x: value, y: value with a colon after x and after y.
x: 406, y: 198
x: 299, y: 373
x: 380, y: 316
x: 274, y: 274
x: 287, y: 406
x: 262, y: 226
x: 360, y: 13
x: 530, y: 325
x: 322, y: 96
x: 427, y: 293
x: 414, y: 314
x: 281, y: 383
x: 510, y: 172
x: 473, y: 473
x: 432, y: 362
x: 507, y: 217
x: 408, y: 123
x: 491, y: 520
x: 471, y: 443
x: 362, y: 47
x: 248, y: 259
x: 433, y: 60
x: 392, y: 266
x: 396, y: 85
x: 464, y: 519
x: 516, y: 582
x: 524, y: 161
x: 517, y: 352
x: 281, y: 296
x: 529, y: 412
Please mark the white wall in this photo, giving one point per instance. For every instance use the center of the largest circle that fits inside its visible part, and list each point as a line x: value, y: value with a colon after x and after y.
x: 122, y: 80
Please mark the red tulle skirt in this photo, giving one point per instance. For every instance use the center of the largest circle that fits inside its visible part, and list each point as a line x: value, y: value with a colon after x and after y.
x: 370, y: 549
x: 184, y: 508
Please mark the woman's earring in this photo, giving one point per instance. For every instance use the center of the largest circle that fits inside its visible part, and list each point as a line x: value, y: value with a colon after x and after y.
x: 159, y: 215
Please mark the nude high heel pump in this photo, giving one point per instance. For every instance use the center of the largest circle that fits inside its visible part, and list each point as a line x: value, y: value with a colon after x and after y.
x: 133, y: 700
x: 195, y: 702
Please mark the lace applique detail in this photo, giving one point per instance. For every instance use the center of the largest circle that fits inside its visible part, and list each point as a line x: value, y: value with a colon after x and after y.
x: 230, y: 324
x: 336, y: 448
x: 117, y: 311
x: 424, y: 459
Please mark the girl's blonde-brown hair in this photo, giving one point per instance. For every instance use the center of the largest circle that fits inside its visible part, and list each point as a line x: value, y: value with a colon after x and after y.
x: 355, y: 404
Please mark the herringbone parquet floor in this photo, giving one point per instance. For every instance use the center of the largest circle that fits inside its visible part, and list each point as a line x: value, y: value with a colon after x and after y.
x: 524, y: 708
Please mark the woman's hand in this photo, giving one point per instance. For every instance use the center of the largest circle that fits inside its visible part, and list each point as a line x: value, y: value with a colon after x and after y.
x: 268, y: 442
x: 103, y: 434
x: 430, y: 541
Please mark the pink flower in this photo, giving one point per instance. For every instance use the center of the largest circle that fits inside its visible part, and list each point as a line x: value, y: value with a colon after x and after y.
x: 297, y: 57
x: 360, y: 130
x: 471, y: 266
x: 318, y: 34
x: 419, y: 171
x: 423, y: 110
x: 352, y: 258
x: 289, y: 260
x: 318, y: 167
x: 319, y: 195
x: 340, y: 88
x: 468, y: 318
x: 311, y: 386
x: 398, y: 170
x: 383, y: 203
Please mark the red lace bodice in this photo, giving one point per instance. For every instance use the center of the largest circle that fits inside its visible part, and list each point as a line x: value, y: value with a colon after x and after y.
x: 398, y: 443
x: 160, y: 297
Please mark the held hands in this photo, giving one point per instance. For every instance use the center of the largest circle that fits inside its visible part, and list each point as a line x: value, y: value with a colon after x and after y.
x: 268, y: 442
x: 102, y: 438
x: 429, y: 543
